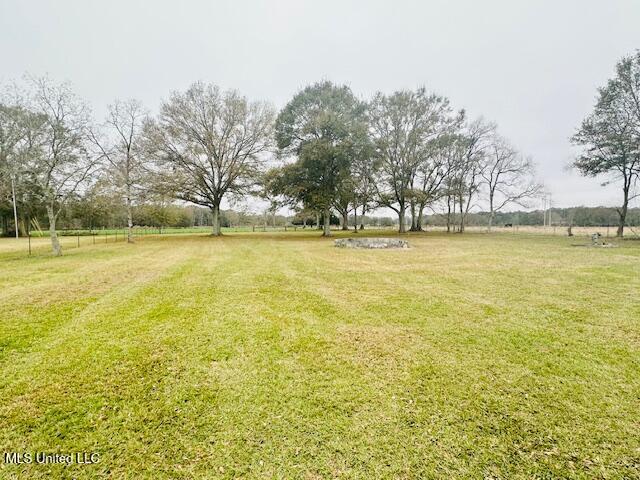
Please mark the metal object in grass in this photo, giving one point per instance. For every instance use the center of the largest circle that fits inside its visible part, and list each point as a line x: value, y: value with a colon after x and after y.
x: 596, y: 242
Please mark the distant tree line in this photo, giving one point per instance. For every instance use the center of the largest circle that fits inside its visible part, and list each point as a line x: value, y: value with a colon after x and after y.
x: 327, y: 155
x: 565, y: 217
x: 106, y: 212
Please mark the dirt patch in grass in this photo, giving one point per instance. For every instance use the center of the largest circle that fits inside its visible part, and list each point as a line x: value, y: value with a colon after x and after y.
x: 377, y: 347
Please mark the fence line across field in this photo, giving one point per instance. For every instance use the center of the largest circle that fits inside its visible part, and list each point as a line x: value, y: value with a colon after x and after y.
x: 120, y: 235
x: 76, y: 238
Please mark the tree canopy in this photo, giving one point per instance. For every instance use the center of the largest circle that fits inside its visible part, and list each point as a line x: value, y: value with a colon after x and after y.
x: 610, y: 135
x: 323, y: 127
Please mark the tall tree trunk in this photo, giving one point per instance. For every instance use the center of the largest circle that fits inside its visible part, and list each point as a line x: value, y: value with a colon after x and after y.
x: 216, y: 220
x: 15, y: 208
x: 462, y: 214
x: 414, y: 219
x: 345, y: 219
x: 129, y: 216
x: 491, y: 212
x: 622, y: 212
x: 402, y: 228
x: 364, y: 211
x: 453, y: 221
x: 449, y: 213
x: 317, y: 221
x: 419, y: 219
x: 355, y: 218
x: 327, y: 223
x: 55, y: 243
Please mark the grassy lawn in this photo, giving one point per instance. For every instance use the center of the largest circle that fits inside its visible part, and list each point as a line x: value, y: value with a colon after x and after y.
x: 279, y: 356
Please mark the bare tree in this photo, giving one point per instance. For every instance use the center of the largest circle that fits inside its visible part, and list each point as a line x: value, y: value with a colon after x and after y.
x: 431, y: 175
x: 211, y: 143
x: 268, y: 190
x: 451, y: 149
x: 432, y: 167
x: 508, y: 176
x: 59, y: 163
x: 466, y: 178
x: 12, y: 136
x: 401, y: 126
x: 363, y: 172
x: 120, y: 146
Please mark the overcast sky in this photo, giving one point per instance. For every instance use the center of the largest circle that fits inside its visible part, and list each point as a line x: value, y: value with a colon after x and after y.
x: 531, y: 66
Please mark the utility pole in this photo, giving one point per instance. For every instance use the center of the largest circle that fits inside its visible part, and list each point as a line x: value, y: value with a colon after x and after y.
x: 546, y: 210
x: 15, y: 208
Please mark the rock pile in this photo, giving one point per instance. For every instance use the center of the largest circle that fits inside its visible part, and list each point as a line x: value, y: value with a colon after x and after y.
x: 371, y: 243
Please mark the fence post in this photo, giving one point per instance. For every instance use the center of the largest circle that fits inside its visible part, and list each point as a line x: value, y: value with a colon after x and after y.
x: 29, y: 235
x: 78, y: 240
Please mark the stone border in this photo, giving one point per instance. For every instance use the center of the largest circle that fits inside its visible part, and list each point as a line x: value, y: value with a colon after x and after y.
x: 371, y: 243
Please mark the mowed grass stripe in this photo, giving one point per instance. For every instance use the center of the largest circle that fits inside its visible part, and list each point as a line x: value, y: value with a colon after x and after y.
x: 513, y: 336
x: 38, y: 299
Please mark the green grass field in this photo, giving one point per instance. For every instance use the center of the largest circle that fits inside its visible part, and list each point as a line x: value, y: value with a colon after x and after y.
x: 279, y: 356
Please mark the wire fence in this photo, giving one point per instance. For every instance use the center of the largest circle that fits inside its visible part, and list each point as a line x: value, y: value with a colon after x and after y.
x: 37, y: 243
x: 144, y: 231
